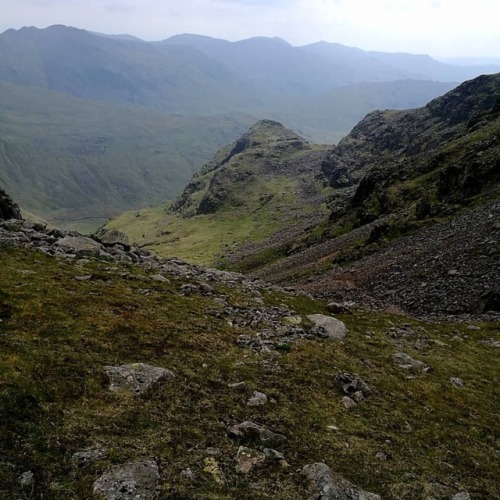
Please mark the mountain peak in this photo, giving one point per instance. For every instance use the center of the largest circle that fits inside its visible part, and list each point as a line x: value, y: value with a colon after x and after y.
x: 260, y: 152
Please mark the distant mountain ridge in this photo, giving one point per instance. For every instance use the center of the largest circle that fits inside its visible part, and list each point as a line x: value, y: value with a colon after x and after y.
x: 63, y: 86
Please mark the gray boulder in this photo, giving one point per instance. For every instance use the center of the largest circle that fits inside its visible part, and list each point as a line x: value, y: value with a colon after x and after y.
x: 132, y: 481
x: 406, y: 362
x: 327, y: 327
x: 136, y: 377
x: 250, y: 432
x: 80, y: 246
x: 328, y: 485
x: 111, y: 237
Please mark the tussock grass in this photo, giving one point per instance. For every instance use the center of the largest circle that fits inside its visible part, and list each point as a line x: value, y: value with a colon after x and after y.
x: 54, y: 399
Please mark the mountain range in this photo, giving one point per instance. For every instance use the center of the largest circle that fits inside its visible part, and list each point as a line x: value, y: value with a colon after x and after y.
x: 117, y: 122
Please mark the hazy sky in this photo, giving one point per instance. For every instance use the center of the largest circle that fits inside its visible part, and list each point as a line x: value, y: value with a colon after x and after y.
x: 442, y: 28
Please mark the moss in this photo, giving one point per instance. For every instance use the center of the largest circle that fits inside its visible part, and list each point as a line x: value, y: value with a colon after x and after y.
x: 54, y: 401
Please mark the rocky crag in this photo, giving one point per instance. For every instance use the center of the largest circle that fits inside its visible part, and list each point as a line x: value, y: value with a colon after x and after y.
x: 8, y: 209
x: 417, y: 210
x: 267, y: 180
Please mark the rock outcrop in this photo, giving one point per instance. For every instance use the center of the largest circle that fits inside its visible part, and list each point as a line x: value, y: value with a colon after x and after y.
x: 325, y: 484
x: 8, y: 209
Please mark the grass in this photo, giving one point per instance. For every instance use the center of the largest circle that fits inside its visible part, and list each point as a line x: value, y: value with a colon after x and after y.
x: 54, y: 401
x: 209, y: 238
x: 78, y: 162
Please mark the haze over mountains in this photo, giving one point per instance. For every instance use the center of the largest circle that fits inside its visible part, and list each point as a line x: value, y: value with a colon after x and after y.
x: 113, y: 122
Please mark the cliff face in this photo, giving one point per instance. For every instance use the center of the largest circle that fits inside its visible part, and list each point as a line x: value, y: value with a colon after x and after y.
x: 425, y: 160
x: 8, y: 209
x: 261, y: 152
x: 414, y: 210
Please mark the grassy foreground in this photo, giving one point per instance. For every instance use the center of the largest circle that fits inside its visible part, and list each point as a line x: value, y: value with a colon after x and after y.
x: 57, y: 333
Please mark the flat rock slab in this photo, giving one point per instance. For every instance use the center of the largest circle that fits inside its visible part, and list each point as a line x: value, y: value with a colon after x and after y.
x: 136, y: 378
x: 328, y: 327
x: 79, y: 245
x: 250, y: 432
x: 406, y: 362
x: 248, y: 458
x: 111, y: 237
x: 135, y: 480
x: 328, y: 485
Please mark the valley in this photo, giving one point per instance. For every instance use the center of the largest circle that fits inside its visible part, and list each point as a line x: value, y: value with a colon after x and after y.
x: 288, y: 285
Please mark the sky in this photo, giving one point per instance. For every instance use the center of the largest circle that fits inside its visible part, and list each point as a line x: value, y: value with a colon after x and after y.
x: 441, y: 28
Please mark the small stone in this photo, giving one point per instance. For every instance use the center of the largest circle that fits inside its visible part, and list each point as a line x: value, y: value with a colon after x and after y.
x: 463, y: 495
x: 273, y: 454
x: 336, y: 308
x: 26, y: 479
x: 332, y: 428
x: 89, y: 456
x: 473, y: 328
x: 250, y: 432
x: 381, y: 456
x: 159, y: 278
x: 457, y: 382
x: 212, y: 451
x: 238, y: 386
x: 325, y: 484
x: 248, y: 458
x: 358, y: 397
x: 187, y: 474
x: 136, y: 377
x: 406, y: 362
x: 257, y: 399
x: 135, y: 480
x: 347, y: 402
x: 85, y: 277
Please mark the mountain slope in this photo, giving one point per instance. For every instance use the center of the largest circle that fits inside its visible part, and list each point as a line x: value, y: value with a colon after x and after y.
x: 394, y: 177
x: 122, y: 71
x: 66, y: 159
x: 215, y: 386
x: 268, y: 179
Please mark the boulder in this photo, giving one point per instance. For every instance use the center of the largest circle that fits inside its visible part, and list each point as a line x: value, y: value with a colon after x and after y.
x: 132, y: 481
x: 328, y: 485
x: 111, y: 237
x: 8, y: 209
x: 248, y: 458
x: 352, y: 384
x: 257, y: 399
x: 136, y: 378
x: 250, y: 432
x: 406, y: 362
x: 80, y: 246
x: 328, y: 327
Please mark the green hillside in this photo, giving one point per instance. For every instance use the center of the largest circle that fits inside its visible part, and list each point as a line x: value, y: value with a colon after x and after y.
x: 268, y: 180
x: 68, y: 159
x: 238, y: 352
